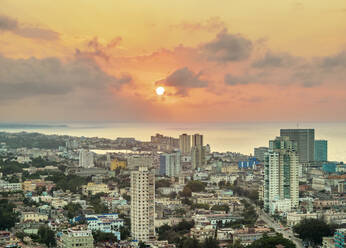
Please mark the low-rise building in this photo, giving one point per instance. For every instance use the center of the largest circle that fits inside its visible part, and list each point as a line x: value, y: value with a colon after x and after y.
x: 9, y: 187
x: 294, y: 218
x: 202, y: 232
x: 108, y: 223
x: 34, y: 217
x: 76, y: 238
x: 93, y: 189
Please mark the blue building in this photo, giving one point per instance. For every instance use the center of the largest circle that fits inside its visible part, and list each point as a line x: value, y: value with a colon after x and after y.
x: 108, y: 223
x: 170, y: 164
x: 321, y: 150
x: 329, y: 167
x: 250, y: 164
x: 339, y: 238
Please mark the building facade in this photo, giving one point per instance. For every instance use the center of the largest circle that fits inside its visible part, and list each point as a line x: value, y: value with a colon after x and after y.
x: 259, y: 153
x: 340, y: 238
x: 86, y: 159
x: 170, y: 164
x: 185, y: 144
x: 281, y: 181
x: 197, y: 151
x: 142, y: 204
x: 305, y: 139
x: 321, y: 150
x: 76, y: 238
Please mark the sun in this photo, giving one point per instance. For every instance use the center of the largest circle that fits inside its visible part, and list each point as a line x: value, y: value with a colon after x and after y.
x: 160, y: 90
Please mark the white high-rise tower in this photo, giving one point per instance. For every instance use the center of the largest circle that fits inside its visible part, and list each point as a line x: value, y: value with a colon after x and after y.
x: 142, y: 204
x: 281, y: 182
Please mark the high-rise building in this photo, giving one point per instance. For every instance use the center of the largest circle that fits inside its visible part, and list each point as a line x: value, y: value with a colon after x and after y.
x: 170, y: 164
x: 321, y: 150
x: 197, y: 151
x: 259, y: 153
x: 197, y: 140
x: 185, y: 144
x: 86, y: 159
x: 305, y: 139
x: 281, y: 182
x: 76, y: 238
x: 142, y: 204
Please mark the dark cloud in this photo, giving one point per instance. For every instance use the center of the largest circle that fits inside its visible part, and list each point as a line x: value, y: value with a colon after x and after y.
x: 227, y: 47
x: 275, y: 60
x: 334, y: 61
x: 184, y: 79
x: 212, y: 24
x: 233, y: 80
x: 23, y: 78
x: 27, y: 31
x: 95, y: 48
x: 7, y: 23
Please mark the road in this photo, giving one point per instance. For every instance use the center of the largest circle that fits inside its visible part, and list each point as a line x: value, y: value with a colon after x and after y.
x: 288, y: 234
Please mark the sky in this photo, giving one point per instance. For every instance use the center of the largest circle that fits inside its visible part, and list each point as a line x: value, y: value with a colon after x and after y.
x: 219, y: 61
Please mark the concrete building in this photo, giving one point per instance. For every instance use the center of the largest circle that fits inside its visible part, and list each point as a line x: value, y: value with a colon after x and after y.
x: 170, y: 164
x: 321, y: 150
x: 281, y: 181
x: 94, y: 188
x: 10, y: 187
x: 185, y: 144
x: 76, y: 238
x: 86, y: 159
x: 340, y: 238
x: 305, y: 139
x: 259, y: 153
x: 108, y: 223
x: 142, y: 204
x: 197, y: 151
x: 135, y: 161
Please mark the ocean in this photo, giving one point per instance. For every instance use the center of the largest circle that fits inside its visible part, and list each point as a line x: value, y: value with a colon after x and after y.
x: 235, y: 137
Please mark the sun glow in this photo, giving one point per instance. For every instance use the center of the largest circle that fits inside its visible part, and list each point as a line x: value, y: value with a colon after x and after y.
x: 160, y: 90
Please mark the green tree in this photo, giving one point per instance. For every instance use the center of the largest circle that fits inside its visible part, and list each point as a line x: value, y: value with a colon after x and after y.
x: 73, y: 210
x: 124, y: 232
x: 46, y: 236
x: 195, y: 186
x: 210, y: 242
x: 7, y: 217
x: 142, y: 245
x: 102, y: 236
x: 162, y: 183
x: 313, y: 230
x: 272, y: 242
x: 224, y: 207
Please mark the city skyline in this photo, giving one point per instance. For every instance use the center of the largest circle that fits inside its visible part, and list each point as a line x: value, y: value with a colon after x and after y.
x: 223, y: 62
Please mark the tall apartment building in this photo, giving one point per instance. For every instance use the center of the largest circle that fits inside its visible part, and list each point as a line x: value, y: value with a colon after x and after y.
x: 259, y: 153
x: 185, y: 144
x: 76, y: 238
x: 321, y: 150
x: 170, y: 164
x: 305, y: 139
x: 197, y: 140
x: 142, y: 204
x: 197, y: 151
x: 281, y: 182
x: 86, y: 159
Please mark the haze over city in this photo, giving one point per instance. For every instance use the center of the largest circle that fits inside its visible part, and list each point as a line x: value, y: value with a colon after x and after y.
x: 172, y: 124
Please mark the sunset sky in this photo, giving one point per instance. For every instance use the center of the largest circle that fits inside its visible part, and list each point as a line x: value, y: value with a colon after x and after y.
x: 219, y: 61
